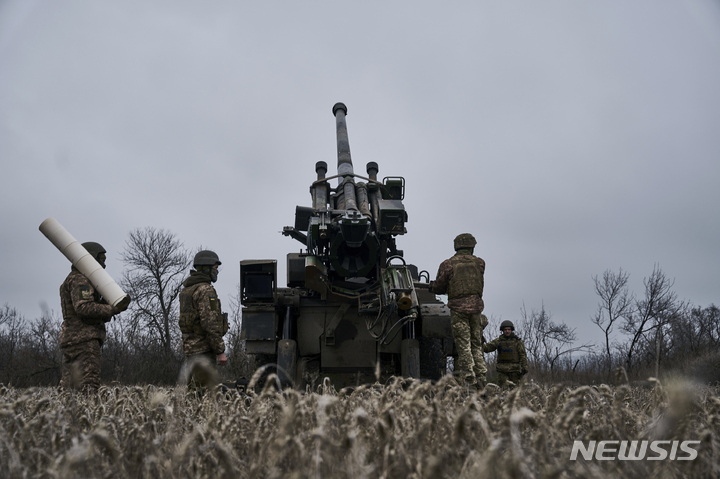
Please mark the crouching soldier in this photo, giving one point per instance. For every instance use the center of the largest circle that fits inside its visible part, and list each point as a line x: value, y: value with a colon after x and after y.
x: 512, y: 361
x: 202, y: 322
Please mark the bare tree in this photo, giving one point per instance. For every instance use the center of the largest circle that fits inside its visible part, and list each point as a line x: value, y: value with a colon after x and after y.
x: 546, y: 342
x: 651, y: 315
x: 615, y: 303
x: 12, y: 332
x: 707, y: 323
x: 156, y: 263
x: 45, y: 337
x: 7, y: 315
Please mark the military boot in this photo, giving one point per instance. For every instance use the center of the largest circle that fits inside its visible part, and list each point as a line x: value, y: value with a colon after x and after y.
x: 469, y: 382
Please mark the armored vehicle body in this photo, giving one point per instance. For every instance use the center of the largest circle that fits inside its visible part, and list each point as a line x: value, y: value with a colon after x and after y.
x: 353, y: 310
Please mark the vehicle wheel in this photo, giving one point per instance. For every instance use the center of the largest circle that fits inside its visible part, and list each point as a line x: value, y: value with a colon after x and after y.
x: 433, y: 363
x: 265, y: 365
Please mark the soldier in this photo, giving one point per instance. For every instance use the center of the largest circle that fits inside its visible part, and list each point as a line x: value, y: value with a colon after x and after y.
x: 202, y: 322
x: 83, y: 329
x: 462, y: 278
x: 512, y: 361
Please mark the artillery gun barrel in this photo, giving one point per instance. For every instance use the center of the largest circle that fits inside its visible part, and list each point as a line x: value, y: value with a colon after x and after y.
x: 345, y: 166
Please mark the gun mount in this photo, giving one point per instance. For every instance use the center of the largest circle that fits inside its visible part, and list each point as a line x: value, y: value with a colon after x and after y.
x: 353, y: 309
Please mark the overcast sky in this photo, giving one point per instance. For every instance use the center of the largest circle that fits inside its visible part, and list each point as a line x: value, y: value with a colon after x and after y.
x: 569, y: 137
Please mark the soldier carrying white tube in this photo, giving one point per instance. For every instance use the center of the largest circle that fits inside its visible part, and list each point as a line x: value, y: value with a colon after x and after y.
x: 89, y: 299
x: 85, y: 313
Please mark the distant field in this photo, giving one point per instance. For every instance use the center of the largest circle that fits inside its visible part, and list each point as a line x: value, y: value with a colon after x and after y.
x: 405, y: 429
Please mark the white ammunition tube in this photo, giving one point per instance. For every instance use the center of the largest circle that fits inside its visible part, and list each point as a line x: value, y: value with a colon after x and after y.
x: 83, y: 261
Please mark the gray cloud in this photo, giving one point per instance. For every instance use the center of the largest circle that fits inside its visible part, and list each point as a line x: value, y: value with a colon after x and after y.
x: 570, y: 138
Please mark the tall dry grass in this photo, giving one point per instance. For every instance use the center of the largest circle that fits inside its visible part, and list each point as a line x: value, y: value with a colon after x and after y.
x: 404, y: 429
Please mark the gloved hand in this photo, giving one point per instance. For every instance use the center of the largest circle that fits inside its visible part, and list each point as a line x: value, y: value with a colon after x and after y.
x: 122, y: 305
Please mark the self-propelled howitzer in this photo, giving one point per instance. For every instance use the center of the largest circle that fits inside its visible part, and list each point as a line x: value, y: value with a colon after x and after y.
x: 353, y: 309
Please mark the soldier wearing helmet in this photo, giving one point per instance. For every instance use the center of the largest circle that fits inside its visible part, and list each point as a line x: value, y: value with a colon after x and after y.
x: 202, y: 321
x: 512, y: 363
x: 82, y: 335
x: 462, y: 278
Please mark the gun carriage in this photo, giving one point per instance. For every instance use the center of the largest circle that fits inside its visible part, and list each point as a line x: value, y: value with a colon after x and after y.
x: 353, y: 309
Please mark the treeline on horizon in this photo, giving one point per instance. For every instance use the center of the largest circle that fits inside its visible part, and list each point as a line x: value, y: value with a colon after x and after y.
x: 651, y: 334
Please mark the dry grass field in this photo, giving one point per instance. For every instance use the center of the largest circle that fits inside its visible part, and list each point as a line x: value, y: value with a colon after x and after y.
x: 404, y: 429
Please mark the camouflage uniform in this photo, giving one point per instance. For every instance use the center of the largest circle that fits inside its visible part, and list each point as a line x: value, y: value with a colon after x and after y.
x: 461, y: 277
x: 83, y: 331
x: 512, y: 363
x: 203, y: 326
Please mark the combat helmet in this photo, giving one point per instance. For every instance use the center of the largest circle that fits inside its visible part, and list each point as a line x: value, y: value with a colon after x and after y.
x: 465, y: 240
x: 96, y: 251
x: 206, y: 258
x: 507, y: 324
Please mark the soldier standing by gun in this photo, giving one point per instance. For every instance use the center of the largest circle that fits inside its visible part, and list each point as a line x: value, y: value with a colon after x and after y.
x: 202, y: 322
x: 512, y: 363
x: 462, y: 278
x: 83, y: 329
